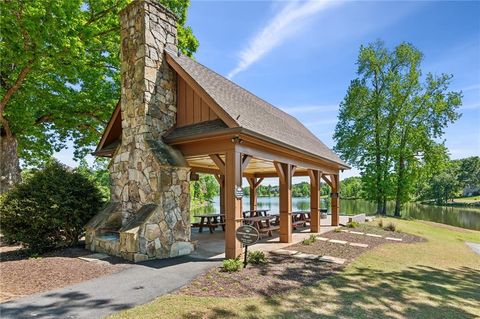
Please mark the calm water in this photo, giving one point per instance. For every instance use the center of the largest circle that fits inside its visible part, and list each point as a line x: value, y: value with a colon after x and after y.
x: 455, y: 216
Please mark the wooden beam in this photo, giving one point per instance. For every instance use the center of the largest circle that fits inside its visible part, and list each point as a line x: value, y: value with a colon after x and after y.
x: 327, y: 181
x: 315, y: 203
x: 206, y: 170
x: 285, y: 179
x: 106, y: 133
x: 280, y: 171
x: 313, y: 180
x: 275, y: 174
x: 221, y: 181
x: 233, y: 206
x: 218, y: 161
x: 335, y: 200
x: 293, y: 170
x: 258, y: 182
x: 253, y: 193
x: 245, y: 160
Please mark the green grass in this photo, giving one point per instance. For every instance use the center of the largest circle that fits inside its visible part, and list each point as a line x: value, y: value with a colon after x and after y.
x: 467, y: 199
x: 434, y: 279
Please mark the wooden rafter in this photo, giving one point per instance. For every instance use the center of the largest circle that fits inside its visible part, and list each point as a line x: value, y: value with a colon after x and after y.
x: 218, y: 161
x: 324, y: 177
x: 245, y: 160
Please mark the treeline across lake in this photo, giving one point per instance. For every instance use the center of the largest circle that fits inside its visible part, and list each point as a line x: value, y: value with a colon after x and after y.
x: 450, y: 180
x: 301, y: 189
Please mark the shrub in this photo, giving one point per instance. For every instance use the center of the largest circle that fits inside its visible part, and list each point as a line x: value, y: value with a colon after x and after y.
x: 310, y: 240
x: 231, y: 265
x: 380, y: 223
x: 353, y: 224
x: 257, y: 257
x: 49, y: 209
x: 337, y: 230
x: 390, y: 227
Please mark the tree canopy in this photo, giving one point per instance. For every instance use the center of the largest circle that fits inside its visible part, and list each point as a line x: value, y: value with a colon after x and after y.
x: 392, y: 120
x: 59, y: 72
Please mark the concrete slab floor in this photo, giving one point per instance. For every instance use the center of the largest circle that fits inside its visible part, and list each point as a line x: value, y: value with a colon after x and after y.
x: 212, y: 246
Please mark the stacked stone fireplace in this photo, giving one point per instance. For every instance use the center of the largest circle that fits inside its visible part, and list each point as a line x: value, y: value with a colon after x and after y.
x: 148, y: 215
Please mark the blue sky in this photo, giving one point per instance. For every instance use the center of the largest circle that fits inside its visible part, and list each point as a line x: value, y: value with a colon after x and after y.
x: 300, y: 56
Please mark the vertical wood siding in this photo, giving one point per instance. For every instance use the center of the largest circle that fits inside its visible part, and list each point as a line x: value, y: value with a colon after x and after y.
x: 191, y: 107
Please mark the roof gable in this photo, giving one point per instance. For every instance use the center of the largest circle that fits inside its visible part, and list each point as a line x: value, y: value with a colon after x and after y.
x: 249, y: 111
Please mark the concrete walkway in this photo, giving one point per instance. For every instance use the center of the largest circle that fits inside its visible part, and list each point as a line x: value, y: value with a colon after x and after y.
x: 475, y: 247
x: 100, y: 297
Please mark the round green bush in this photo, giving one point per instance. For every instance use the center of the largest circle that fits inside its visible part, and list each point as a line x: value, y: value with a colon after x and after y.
x: 49, y: 209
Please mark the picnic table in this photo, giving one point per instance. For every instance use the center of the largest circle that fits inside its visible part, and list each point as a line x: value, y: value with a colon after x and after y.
x: 211, y: 221
x: 255, y: 213
x: 262, y: 224
x: 300, y: 218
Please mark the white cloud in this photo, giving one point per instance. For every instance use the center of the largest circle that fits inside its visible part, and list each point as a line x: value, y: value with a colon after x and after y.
x: 470, y: 106
x: 281, y: 26
x: 471, y: 88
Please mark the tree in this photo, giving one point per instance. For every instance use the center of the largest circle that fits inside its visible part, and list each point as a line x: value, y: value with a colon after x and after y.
x: 205, y: 189
x: 445, y: 185
x: 97, y: 174
x: 352, y: 187
x: 469, y: 172
x: 390, y: 120
x: 59, y: 75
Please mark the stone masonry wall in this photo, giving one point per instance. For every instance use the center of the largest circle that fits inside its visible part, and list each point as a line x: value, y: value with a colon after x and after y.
x: 144, y: 170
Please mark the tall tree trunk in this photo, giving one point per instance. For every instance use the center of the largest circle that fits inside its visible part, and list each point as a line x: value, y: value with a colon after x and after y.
x: 399, y: 195
x: 9, y: 163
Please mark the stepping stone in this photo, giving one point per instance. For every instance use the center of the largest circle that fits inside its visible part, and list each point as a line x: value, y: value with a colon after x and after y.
x: 357, y: 233
x: 94, y: 257
x: 284, y: 252
x: 393, y: 238
x: 335, y: 241
x: 358, y: 245
x: 305, y: 256
x: 322, y: 238
x: 344, y: 231
x: 333, y: 260
x: 373, y: 235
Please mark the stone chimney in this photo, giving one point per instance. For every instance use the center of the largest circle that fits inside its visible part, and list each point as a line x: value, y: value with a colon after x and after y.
x: 149, y: 179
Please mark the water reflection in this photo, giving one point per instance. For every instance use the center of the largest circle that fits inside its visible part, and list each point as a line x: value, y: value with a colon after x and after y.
x: 455, y: 216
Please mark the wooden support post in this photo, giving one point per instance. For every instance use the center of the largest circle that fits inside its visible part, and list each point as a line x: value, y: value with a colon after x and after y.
x: 253, y: 193
x: 284, y: 172
x: 315, y: 188
x: 254, y: 182
x: 335, y: 200
x: 221, y: 182
x: 233, y: 207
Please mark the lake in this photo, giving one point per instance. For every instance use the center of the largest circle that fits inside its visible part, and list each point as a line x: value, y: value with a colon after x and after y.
x: 455, y: 216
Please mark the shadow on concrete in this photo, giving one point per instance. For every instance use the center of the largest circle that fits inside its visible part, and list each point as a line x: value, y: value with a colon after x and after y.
x: 60, y: 305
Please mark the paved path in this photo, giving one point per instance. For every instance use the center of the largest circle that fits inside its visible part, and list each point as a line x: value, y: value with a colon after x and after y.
x: 474, y: 247
x: 102, y: 296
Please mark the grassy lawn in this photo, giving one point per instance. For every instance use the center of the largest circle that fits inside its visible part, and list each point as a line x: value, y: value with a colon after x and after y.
x: 467, y: 199
x: 434, y: 279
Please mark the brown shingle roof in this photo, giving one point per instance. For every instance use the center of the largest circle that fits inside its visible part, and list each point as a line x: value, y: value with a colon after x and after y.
x: 252, y: 113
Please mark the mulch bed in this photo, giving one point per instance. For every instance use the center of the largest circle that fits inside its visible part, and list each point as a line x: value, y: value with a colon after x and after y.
x: 21, y: 275
x: 281, y: 274
x: 350, y: 252
x: 284, y: 273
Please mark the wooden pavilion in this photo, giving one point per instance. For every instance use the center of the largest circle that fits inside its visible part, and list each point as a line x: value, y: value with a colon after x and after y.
x: 176, y: 115
x: 224, y: 130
